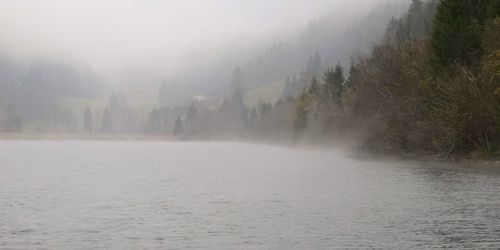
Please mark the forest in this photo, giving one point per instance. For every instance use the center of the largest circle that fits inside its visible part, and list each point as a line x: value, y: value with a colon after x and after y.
x: 429, y: 87
x: 419, y: 82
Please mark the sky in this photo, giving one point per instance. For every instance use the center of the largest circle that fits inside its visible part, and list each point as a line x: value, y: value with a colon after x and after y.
x: 110, y: 34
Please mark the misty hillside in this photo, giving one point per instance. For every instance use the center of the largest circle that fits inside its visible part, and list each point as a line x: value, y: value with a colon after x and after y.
x: 404, y: 77
x: 338, y: 38
x: 249, y: 124
x: 426, y: 84
x: 31, y: 91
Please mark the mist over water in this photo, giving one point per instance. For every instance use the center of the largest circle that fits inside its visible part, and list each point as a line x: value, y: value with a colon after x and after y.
x: 128, y: 124
x: 159, y: 195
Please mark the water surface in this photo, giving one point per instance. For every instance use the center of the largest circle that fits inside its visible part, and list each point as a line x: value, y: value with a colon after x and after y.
x: 162, y: 195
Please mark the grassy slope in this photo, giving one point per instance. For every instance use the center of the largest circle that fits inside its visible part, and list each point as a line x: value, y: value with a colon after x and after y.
x: 138, y: 99
x: 269, y: 93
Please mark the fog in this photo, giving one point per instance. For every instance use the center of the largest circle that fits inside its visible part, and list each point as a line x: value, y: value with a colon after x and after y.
x: 147, y: 195
x: 273, y: 124
x: 155, y: 36
x: 74, y: 66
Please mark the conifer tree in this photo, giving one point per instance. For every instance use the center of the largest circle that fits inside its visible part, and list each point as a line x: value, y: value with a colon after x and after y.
x: 107, y: 121
x: 191, y: 113
x: 302, y: 110
x: 353, y: 77
x: 253, y: 114
x: 154, y: 120
x: 87, y: 120
x: 334, y: 85
x: 457, y: 32
x: 178, y: 127
x: 314, y: 89
x: 238, y: 88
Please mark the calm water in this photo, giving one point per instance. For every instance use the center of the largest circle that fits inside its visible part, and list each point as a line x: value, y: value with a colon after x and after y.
x: 155, y: 195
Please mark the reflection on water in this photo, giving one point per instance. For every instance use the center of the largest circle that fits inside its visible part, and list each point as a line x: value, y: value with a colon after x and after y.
x: 154, y: 195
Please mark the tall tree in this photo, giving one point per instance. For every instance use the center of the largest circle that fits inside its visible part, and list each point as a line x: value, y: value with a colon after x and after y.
x: 107, y: 121
x: 87, y: 120
x: 178, y: 127
x: 334, y: 85
x: 314, y: 68
x: 154, y: 120
x: 238, y: 87
x: 191, y: 125
x: 457, y: 34
x: 301, y: 116
x: 353, y: 78
x: 287, y: 88
x: 314, y: 89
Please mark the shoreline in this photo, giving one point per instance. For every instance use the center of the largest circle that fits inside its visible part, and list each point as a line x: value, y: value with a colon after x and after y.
x: 36, y: 136
x: 349, y: 151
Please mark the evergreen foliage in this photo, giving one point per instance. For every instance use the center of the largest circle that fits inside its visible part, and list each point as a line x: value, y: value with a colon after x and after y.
x: 87, y: 120
x: 457, y: 33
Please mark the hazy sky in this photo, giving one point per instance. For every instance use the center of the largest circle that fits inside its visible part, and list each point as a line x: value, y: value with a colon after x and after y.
x: 114, y: 33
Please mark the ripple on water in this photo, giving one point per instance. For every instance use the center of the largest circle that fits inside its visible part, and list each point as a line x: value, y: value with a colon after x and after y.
x: 110, y: 195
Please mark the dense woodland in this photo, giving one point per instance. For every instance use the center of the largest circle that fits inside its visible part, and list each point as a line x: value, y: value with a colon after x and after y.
x: 429, y: 86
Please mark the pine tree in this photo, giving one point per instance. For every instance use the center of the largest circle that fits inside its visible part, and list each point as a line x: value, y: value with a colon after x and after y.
x: 314, y: 89
x: 314, y: 67
x: 287, y: 88
x: 295, y: 86
x: 493, y: 9
x: 154, y: 120
x: 107, y: 121
x: 191, y: 113
x: 164, y: 117
x: 87, y: 120
x: 178, y: 127
x: 335, y: 85
x: 253, y: 114
x: 418, y: 21
x: 339, y: 77
x: 353, y: 77
x: 264, y: 107
x: 238, y: 88
x: 318, y: 65
x: 457, y: 33
x: 302, y: 109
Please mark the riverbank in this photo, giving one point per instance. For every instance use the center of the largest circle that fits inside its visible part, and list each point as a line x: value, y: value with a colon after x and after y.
x: 83, y: 137
x: 346, y: 146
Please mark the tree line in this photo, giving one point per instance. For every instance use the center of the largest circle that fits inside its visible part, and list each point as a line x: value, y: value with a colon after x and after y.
x: 431, y: 86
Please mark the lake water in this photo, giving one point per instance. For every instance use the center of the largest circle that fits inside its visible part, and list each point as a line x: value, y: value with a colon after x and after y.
x: 161, y: 195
